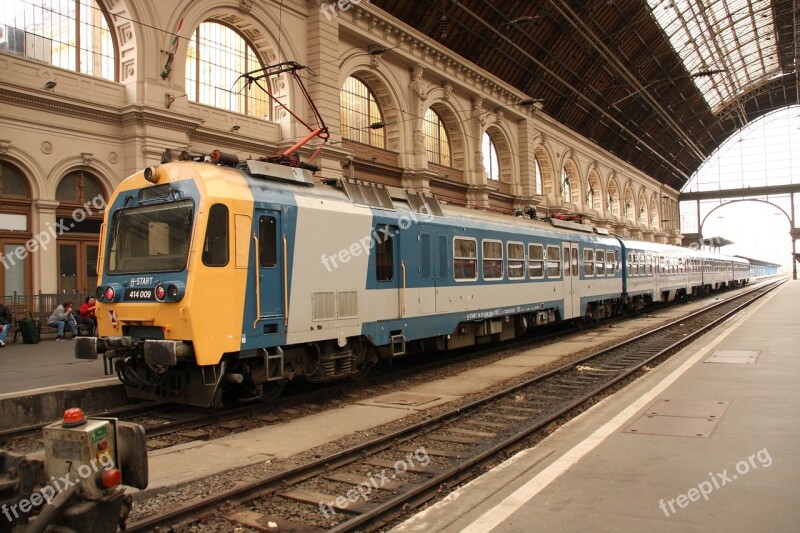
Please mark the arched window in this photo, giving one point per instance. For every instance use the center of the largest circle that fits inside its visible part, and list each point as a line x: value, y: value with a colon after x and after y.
x: 80, y: 216
x: 79, y: 187
x: 70, y: 34
x: 566, y: 186
x: 538, y: 177
x: 361, y: 117
x: 491, y: 163
x: 217, y: 56
x: 437, y: 142
x: 11, y: 181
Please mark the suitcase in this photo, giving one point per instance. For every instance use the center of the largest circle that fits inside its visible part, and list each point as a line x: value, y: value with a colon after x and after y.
x: 29, y: 330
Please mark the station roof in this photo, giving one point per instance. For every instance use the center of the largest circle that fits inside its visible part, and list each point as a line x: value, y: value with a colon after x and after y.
x: 659, y: 83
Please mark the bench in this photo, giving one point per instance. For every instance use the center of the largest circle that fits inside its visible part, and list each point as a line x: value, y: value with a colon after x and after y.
x: 40, y: 318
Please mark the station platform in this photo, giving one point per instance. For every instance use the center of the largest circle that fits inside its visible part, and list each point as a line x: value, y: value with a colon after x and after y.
x: 707, y: 441
x: 25, y: 368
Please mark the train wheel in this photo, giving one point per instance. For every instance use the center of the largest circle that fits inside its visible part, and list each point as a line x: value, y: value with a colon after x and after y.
x: 362, y: 374
x: 272, y: 390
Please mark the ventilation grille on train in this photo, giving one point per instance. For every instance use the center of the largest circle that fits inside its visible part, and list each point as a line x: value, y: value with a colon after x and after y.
x: 368, y: 194
x: 425, y: 203
x: 331, y: 305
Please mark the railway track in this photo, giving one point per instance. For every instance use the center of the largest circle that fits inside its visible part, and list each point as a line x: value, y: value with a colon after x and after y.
x: 368, y: 486
x: 166, y: 422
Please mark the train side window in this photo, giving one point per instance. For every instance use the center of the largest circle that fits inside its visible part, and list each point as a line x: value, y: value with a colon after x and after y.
x: 630, y: 264
x: 492, y: 259
x: 267, y: 241
x: 516, y: 260
x: 588, y: 262
x: 611, y: 262
x: 554, y: 262
x: 465, y: 259
x: 215, y: 244
x: 650, y: 260
x: 536, y: 261
x: 574, y: 261
x: 384, y: 252
x: 425, y: 256
x: 600, y: 263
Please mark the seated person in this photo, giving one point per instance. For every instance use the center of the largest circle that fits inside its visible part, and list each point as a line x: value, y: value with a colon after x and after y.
x: 87, y: 315
x: 5, y: 323
x: 61, y: 318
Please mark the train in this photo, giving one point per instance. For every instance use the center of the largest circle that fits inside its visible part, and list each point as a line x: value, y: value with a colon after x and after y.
x: 225, y: 279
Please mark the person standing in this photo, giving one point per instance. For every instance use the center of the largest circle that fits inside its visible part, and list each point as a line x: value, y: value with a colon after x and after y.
x: 87, y: 315
x: 5, y: 323
x: 61, y: 318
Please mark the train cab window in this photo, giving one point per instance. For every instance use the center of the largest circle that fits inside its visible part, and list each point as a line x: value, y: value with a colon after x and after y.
x: 215, y: 245
x: 492, y: 259
x: 554, y: 262
x: 516, y: 260
x: 588, y: 262
x: 600, y: 263
x: 267, y: 241
x: 536, y: 261
x: 384, y: 252
x: 465, y: 259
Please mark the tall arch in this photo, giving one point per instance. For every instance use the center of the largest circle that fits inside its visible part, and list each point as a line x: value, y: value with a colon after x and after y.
x: 655, y: 215
x: 384, y: 89
x: 594, y: 192
x: 614, y: 200
x: 629, y: 203
x: 549, y: 188
x: 571, y: 186
x: 642, y: 209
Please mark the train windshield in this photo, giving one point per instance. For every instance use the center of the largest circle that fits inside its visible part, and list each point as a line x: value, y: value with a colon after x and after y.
x: 153, y: 238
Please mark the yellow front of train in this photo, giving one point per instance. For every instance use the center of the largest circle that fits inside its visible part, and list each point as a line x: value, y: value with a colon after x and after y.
x: 173, y: 272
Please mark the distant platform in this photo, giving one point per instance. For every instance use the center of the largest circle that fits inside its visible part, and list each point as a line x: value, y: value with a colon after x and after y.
x: 707, y: 441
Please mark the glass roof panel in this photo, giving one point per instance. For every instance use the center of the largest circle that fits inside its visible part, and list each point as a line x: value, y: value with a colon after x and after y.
x: 727, y: 46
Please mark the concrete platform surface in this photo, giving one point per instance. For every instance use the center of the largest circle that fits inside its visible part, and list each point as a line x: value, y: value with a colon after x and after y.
x: 28, y: 367
x: 600, y: 472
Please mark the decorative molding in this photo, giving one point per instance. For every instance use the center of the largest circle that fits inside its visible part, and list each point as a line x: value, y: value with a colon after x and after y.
x: 46, y: 147
x: 87, y: 157
x: 5, y: 144
x: 113, y: 158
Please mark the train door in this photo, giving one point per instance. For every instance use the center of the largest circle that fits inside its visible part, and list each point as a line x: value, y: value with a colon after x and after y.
x: 427, y: 276
x: 572, y: 294
x: 434, y: 269
x: 272, y: 278
x: 390, y: 271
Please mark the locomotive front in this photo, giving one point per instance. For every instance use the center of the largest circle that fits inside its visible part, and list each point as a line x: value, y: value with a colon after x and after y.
x: 163, y: 264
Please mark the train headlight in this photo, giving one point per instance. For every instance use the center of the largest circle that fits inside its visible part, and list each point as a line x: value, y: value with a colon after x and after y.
x: 112, y: 292
x: 153, y: 174
x: 160, y: 292
x: 175, y: 291
x: 99, y: 294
